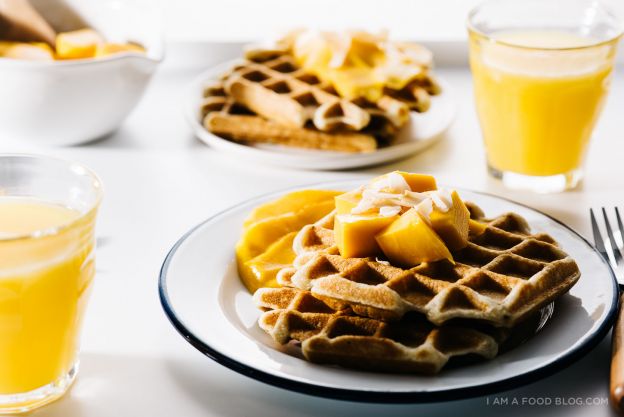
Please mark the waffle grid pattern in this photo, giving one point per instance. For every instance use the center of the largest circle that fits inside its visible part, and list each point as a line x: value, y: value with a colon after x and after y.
x: 339, y: 337
x: 274, y: 86
x: 504, y: 275
x: 223, y: 116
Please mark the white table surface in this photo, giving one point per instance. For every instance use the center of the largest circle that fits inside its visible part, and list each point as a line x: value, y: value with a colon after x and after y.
x: 159, y: 181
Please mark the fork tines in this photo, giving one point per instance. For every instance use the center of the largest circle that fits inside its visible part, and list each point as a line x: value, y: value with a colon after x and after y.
x: 611, y: 247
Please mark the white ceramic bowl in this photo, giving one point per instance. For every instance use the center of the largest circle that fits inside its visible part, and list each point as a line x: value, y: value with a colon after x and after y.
x: 77, y: 101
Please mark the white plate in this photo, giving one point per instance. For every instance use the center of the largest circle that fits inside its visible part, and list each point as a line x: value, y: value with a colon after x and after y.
x: 422, y: 130
x: 206, y: 302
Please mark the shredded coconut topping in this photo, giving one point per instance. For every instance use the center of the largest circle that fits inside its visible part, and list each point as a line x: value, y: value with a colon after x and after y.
x: 390, y: 194
x: 392, y: 183
x: 389, y: 211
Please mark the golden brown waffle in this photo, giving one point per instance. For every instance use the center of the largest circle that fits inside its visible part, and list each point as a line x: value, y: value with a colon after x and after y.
x: 224, y: 117
x: 339, y: 337
x: 504, y: 275
x: 417, y: 93
x: 272, y: 85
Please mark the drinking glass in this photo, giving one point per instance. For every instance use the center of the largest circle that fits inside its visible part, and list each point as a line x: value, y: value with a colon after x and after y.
x: 45, y: 275
x: 541, y: 71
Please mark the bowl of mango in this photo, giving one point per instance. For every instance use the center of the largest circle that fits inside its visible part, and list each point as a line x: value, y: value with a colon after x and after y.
x: 73, y: 70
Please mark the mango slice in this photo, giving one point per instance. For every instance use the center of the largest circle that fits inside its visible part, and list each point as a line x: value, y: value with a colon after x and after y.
x: 355, y: 234
x: 106, y: 49
x: 417, y: 182
x: 290, y: 202
x: 35, y: 51
x: 262, y: 270
x: 77, y: 44
x: 409, y: 241
x: 268, y: 232
x: 259, y: 235
x: 452, y: 226
x: 476, y: 227
x: 347, y: 201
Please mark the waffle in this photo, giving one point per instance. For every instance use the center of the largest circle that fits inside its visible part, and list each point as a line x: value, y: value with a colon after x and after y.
x: 339, y: 337
x: 224, y: 117
x: 271, y: 84
x: 504, y: 275
x: 417, y: 93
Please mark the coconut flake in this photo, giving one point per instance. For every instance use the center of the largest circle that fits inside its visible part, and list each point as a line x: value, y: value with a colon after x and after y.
x: 442, y: 199
x: 392, y: 182
x: 372, y: 200
x: 425, y: 208
x: 389, y: 194
x: 389, y: 211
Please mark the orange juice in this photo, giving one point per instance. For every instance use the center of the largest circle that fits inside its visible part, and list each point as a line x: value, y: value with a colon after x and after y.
x: 538, y: 96
x: 45, y: 277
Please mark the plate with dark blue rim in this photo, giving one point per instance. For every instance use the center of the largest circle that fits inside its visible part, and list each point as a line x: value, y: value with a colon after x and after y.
x: 206, y: 302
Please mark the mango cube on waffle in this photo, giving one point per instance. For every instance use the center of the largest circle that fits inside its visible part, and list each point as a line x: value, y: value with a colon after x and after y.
x: 502, y: 276
x: 342, y: 338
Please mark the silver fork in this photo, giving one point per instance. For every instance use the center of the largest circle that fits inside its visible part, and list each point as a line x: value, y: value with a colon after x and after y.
x: 612, y: 249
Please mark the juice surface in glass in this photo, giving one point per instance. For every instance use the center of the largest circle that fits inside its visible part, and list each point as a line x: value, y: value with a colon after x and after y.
x: 537, y: 107
x: 44, y: 284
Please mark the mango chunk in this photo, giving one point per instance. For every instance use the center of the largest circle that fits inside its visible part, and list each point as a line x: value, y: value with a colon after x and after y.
x: 409, y: 241
x: 452, y: 226
x: 355, y: 234
x: 290, y: 202
x: 106, y: 49
x: 476, y: 227
x: 262, y: 270
x: 77, y: 44
x: 417, y: 182
x: 347, y: 201
x: 35, y: 51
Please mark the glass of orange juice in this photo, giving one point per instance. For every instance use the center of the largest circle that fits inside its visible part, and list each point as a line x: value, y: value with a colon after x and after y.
x: 541, y: 72
x: 47, y: 217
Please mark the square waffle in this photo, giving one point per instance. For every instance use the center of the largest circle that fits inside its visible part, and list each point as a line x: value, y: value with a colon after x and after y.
x: 504, y: 275
x: 342, y: 338
x: 417, y: 93
x: 271, y: 84
x: 223, y: 116
x: 269, y: 99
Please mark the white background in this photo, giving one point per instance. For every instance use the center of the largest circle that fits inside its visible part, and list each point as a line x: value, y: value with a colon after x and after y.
x: 244, y: 20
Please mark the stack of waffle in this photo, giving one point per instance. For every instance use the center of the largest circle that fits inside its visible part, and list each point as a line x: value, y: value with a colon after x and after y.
x: 268, y: 98
x: 366, y: 313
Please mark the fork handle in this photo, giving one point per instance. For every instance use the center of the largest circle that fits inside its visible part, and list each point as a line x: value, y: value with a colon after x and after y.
x: 617, y: 361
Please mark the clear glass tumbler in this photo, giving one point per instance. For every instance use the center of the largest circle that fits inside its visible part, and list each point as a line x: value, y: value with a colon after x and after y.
x: 541, y: 71
x: 48, y: 209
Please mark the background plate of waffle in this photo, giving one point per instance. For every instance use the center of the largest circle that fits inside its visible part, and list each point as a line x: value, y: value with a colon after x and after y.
x: 422, y: 130
x: 204, y: 299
